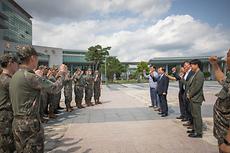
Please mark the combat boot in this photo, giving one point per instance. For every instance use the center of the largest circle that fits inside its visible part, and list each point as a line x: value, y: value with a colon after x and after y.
x: 87, y: 104
x: 98, y: 102
x: 91, y: 104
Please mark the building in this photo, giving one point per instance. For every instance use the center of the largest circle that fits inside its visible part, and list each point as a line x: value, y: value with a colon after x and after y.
x: 76, y: 58
x: 49, y: 55
x: 56, y: 56
x: 15, y: 26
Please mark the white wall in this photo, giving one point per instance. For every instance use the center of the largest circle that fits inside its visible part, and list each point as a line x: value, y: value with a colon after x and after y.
x: 55, y: 54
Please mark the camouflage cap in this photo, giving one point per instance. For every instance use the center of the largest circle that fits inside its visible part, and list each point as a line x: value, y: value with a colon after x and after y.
x: 41, y: 67
x: 25, y: 52
x: 55, y: 67
x: 77, y: 69
x: 6, y: 58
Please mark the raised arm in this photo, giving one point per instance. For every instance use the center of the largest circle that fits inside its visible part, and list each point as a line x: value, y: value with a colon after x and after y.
x: 218, y: 73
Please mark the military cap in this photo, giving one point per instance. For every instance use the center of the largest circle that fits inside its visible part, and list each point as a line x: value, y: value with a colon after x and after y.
x: 25, y: 52
x: 55, y: 67
x: 6, y: 58
x: 78, y: 69
x: 41, y: 67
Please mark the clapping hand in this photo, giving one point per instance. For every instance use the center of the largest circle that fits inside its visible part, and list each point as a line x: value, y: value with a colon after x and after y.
x: 213, y: 59
x: 174, y: 69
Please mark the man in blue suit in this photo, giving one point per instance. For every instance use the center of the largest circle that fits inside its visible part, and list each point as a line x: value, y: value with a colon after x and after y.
x: 162, y: 90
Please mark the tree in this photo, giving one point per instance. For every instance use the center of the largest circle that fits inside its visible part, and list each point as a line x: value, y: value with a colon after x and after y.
x: 113, y: 66
x: 97, y: 55
x: 142, y: 66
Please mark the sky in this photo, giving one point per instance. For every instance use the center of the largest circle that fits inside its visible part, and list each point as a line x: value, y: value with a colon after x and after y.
x: 137, y: 30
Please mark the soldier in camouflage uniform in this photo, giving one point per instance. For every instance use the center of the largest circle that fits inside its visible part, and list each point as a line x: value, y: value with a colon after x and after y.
x: 88, y: 87
x: 68, y: 92
x: 79, y: 84
x: 58, y: 98
x: 52, y: 96
x: 25, y: 87
x: 42, y: 72
x: 221, y: 111
x: 44, y: 93
x: 10, y: 66
x: 97, y: 87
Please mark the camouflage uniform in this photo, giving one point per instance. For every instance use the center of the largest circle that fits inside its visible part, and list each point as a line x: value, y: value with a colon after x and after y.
x: 79, y: 84
x: 43, y: 101
x: 6, y: 116
x: 68, y: 91
x: 88, y: 89
x: 221, y: 111
x: 25, y: 89
x: 97, y: 89
x: 51, y: 97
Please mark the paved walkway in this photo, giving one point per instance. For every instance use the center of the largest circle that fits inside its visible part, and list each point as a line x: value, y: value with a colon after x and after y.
x: 124, y: 124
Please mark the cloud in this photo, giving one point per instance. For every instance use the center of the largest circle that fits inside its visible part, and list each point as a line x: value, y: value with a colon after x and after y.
x: 70, y: 10
x: 176, y: 35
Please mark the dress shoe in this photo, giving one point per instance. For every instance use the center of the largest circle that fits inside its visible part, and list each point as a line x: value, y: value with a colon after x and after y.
x: 57, y: 112
x: 164, y: 115
x: 52, y: 115
x: 195, y: 135
x: 179, y: 117
x: 189, y: 127
x: 187, y: 124
x: 190, y: 131
x: 160, y: 113
x: 184, y: 120
x: 60, y: 108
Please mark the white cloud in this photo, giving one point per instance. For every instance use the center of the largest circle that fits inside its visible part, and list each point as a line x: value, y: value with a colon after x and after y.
x: 180, y: 35
x: 70, y: 10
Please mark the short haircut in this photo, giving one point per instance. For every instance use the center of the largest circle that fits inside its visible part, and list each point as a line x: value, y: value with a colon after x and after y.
x: 196, y: 61
x: 185, y: 62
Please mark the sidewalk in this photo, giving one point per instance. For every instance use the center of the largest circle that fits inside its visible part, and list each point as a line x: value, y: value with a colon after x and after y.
x: 124, y: 124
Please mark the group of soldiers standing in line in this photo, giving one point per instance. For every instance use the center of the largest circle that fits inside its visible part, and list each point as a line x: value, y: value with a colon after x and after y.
x: 83, y: 83
x: 28, y: 93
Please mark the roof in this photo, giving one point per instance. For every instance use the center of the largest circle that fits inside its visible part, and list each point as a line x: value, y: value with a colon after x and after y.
x: 160, y: 60
x: 74, y: 51
x: 20, y: 8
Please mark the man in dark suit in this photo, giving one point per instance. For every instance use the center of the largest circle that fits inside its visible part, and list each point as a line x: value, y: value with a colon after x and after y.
x: 195, y: 95
x: 162, y: 89
x: 181, y: 90
x: 184, y: 80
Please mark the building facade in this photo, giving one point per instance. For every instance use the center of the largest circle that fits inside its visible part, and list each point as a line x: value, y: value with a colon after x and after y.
x: 15, y: 26
x: 76, y: 59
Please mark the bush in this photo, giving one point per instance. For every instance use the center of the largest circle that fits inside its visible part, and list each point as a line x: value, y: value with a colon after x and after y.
x: 207, y: 74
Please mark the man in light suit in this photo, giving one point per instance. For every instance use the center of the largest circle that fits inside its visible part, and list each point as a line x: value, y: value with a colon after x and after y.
x: 162, y: 90
x: 196, y: 97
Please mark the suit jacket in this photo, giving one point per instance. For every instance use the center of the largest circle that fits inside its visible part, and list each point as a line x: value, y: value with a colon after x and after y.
x: 184, y: 83
x: 162, y: 85
x: 181, y: 85
x: 195, y: 87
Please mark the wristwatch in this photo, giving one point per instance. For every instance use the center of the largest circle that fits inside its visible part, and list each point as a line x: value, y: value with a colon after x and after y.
x: 226, y: 142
